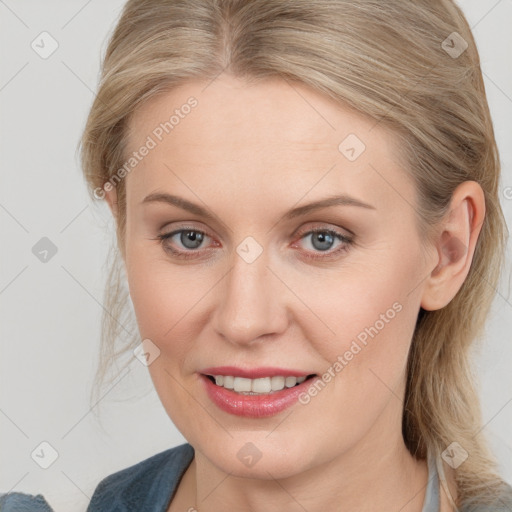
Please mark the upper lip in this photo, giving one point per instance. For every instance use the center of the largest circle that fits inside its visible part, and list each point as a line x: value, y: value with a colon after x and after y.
x: 254, y: 373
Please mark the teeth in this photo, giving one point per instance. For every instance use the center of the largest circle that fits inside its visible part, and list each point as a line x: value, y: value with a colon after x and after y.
x: 257, y: 386
x: 289, y: 382
x: 263, y: 385
x: 242, y: 384
x: 277, y: 383
x: 229, y: 382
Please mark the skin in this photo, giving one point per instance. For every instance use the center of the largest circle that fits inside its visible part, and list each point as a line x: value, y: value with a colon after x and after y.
x: 248, y: 154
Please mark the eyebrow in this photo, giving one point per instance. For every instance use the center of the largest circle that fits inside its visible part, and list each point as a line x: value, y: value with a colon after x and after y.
x: 184, y: 204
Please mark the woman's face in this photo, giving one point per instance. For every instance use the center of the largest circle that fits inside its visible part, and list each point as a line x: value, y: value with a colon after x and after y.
x: 259, y: 286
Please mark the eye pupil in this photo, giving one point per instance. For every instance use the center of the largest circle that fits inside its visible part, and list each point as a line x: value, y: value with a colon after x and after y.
x: 322, y: 241
x: 191, y: 239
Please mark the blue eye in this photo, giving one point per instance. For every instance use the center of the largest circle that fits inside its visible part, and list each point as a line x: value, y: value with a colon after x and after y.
x: 322, y: 240
x: 321, y: 243
x: 189, y: 239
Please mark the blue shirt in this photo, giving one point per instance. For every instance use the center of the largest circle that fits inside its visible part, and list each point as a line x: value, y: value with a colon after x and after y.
x: 150, y: 486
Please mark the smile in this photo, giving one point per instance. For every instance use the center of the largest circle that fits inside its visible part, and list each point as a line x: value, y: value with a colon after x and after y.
x: 259, y: 386
x: 256, y: 393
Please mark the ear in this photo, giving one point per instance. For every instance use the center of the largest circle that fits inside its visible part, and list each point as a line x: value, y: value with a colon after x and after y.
x: 111, y: 198
x: 455, y: 245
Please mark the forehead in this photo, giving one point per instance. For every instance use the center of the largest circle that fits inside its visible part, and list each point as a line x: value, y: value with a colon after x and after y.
x: 273, y: 134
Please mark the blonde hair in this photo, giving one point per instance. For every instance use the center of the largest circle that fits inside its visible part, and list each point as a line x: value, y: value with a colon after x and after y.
x: 388, y: 61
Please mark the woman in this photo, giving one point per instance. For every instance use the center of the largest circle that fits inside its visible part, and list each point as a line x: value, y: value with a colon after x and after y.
x: 216, y: 127
x: 307, y: 212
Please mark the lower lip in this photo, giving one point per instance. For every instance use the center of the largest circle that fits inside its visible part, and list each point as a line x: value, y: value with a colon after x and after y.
x: 254, y: 406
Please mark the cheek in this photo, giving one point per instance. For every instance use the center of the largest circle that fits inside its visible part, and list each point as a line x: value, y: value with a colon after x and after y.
x: 371, y: 307
x: 152, y: 294
x: 163, y: 294
x: 163, y: 302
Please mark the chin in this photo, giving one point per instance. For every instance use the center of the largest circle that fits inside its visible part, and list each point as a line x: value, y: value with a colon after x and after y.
x: 260, y: 455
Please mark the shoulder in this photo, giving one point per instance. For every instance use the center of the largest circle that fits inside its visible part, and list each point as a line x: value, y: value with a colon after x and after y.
x: 19, y: 502
x: 501, y: 503
x: 147, y: 485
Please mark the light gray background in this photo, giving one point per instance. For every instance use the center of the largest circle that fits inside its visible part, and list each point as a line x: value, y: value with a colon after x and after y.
x: 50, y: 312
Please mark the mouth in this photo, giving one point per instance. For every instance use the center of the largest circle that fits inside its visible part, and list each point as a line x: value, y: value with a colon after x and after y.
x: 259, y: 386
x: 254, y: 394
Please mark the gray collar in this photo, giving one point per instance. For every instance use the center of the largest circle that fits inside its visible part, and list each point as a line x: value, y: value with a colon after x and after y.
x: 432, y: 501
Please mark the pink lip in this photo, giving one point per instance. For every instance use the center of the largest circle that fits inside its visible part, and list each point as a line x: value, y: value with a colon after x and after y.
x: 253, y: 373
x: 254, y: 406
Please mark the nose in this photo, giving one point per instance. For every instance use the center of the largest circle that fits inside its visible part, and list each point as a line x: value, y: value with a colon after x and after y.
x: 250, y: 303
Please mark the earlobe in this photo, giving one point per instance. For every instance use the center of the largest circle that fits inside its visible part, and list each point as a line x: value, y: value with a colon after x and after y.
x: 455, y: 246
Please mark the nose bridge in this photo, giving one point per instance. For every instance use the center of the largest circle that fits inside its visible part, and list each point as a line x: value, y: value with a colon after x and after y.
x: 248, y: 306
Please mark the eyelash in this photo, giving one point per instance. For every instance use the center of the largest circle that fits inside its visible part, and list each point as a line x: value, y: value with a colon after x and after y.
x: 192, y: 253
